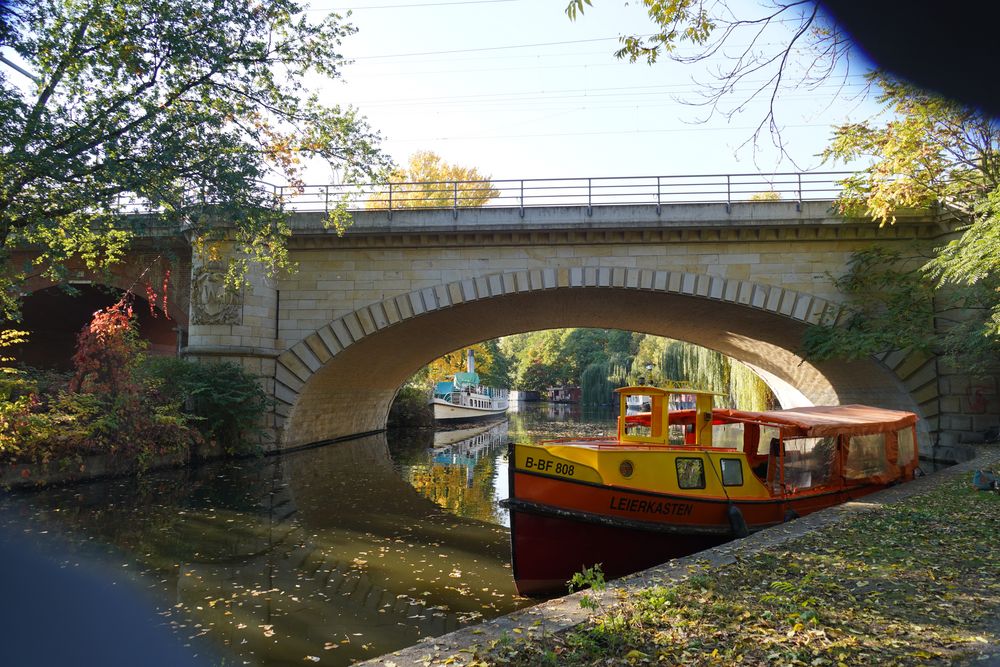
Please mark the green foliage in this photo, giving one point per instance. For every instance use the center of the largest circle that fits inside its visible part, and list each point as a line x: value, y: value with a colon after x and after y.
x: 410, y: 408
x: 679, y: 21
x: 889, y: 306
x: 892, y: 305
x: 118, y: 402
x: 103, y: 408
x: 599, y: 360
x: 588, y: 577
x: 560, y: 356
x: 932, y: 153
x: 707, y: 369
x: 184, y: 104
x: 596, y: 386
x: 537, y: 376
x: 931, y: 150
x: 224, y: 400
x: 498, y: 373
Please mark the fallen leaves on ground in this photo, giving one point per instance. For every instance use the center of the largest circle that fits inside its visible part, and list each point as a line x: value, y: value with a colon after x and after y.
x: 907, y: 584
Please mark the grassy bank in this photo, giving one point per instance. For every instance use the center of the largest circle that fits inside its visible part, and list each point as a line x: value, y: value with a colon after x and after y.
x: 912, y: 583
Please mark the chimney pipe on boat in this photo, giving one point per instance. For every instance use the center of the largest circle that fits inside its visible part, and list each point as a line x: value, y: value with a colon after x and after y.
x: 470, y: 361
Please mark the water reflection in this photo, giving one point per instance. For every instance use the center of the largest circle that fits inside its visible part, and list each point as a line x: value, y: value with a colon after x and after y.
x: 465, y: 470
x: 326, y: 553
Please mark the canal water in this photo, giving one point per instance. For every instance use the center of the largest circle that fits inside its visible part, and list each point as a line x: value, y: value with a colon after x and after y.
x: 328, y: 555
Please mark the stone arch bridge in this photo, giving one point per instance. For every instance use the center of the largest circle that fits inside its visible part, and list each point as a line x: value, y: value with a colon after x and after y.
x: 336, y: 340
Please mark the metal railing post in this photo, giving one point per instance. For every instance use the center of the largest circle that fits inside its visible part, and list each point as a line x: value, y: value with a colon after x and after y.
x: 454, y: 211
x: 590, y: 203
x: 521, y: 199
x: 798, y: 204
x: 729, y: 193
x: 326, y: 204
x: 658, y: 204
x: 390, y: 200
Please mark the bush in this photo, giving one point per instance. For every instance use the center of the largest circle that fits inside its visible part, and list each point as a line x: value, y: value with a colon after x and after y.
x: 119, y: 402
x: 42, y: 421
x: 224, y: 401
x: 410, y: 408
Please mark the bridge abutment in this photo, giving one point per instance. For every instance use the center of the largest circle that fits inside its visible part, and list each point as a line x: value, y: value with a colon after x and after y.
x: 239, y: 325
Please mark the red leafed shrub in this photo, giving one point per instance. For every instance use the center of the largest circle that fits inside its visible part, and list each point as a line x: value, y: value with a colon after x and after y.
x: 106, y: 407
x: 106, y: 352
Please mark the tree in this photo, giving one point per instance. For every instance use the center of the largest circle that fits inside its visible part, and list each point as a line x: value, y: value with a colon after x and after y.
x: 933, y: 152
x: 443, y: 368
x: 499, y: 372
x: 782, y: 32
x: 537, y: 376
x: 184, y: 106
x: 430, y: 182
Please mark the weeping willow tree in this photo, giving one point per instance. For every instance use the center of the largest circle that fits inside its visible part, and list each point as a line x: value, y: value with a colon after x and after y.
x: 595, y: 384
x: 708, y: 369
x: 599, y: 380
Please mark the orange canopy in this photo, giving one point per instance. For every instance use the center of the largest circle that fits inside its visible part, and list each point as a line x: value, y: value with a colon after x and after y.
x: 826, y: 420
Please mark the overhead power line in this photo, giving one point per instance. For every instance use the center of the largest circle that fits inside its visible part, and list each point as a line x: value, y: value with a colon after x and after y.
x: 407, y: 5
x: 486, y: 48
x: 548, y: 135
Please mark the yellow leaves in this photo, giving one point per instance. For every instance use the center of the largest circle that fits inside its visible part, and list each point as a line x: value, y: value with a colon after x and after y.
x: 430, y: 182
x: 635, y: 655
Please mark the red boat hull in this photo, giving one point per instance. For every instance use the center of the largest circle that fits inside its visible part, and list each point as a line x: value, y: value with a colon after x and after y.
x: 559, y: 527
x: 548, y: 550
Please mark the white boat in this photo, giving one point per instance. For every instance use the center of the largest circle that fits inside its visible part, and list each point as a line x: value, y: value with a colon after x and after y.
x: 637, y: 403
x: 464, y: 399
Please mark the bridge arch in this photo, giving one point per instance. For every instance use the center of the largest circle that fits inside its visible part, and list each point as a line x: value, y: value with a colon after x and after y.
x: 54, y: 317
x: 341, y: 379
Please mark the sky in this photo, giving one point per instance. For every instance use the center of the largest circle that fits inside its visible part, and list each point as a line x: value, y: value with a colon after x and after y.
x: 517, y: 90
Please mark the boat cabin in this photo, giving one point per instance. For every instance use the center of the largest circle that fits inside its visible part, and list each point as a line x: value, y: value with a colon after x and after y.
x: 675, y: 406
x: 789, y: 451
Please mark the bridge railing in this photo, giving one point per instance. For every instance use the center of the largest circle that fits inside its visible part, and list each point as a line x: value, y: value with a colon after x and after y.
x: 589, y: 192
x: 534, y: 192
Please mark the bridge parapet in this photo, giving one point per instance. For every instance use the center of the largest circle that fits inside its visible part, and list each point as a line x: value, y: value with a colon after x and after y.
x: 588, y: 192
x: 743, y: 215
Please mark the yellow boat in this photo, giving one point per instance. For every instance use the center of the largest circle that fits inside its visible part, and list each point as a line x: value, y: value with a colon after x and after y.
x: 676, y: 480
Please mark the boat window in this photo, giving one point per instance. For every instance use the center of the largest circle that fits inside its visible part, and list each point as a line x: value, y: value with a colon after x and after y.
x: 866, y: 457
x: 809, y: 462
x: 728, y: 436
x: 690, y: 473
x: 907, y: 446
x: 732, y: 472
x: 767, y: 433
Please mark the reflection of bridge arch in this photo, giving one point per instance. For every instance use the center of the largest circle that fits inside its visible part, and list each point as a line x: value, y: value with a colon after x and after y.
x: 340, y: 380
